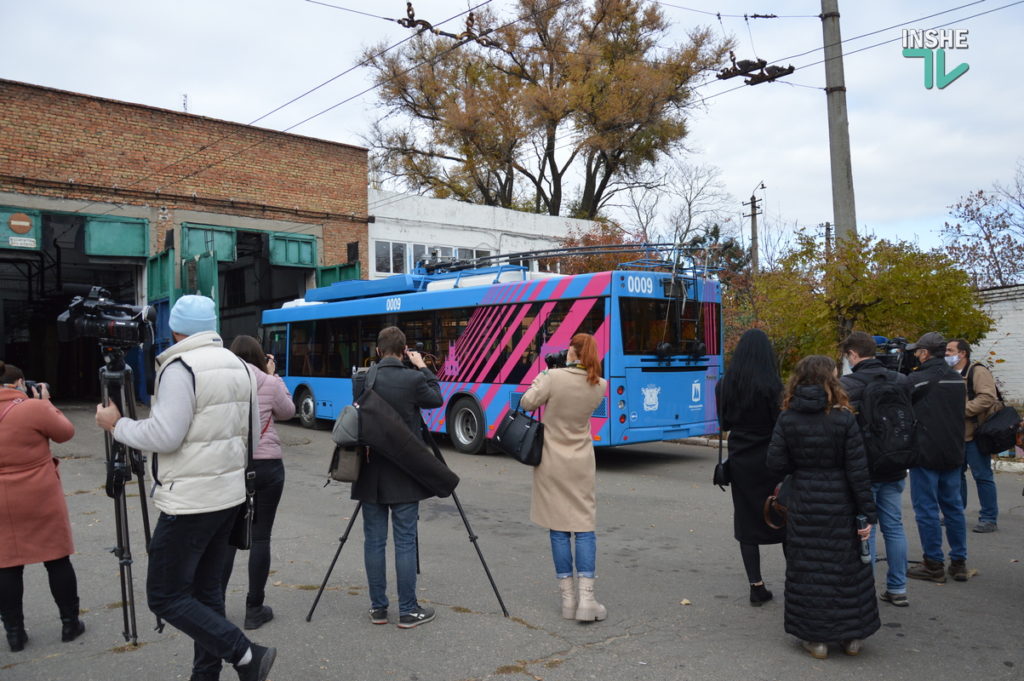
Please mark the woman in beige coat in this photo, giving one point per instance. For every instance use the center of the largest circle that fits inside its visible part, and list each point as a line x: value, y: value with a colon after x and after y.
x: 563, y: 483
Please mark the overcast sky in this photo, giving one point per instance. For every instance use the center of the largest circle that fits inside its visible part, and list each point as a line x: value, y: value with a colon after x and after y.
x: 915, y: 151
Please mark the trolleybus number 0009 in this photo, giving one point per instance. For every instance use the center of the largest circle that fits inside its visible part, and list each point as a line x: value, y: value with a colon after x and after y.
x: 393, y: 304
x: 640, y: 284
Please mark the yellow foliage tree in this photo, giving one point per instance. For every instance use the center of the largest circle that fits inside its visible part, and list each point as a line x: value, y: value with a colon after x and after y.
x: 889, y: 288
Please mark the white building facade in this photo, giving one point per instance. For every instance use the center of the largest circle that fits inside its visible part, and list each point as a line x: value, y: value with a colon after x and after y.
x: 407, y: 228
x: 1003, y: 347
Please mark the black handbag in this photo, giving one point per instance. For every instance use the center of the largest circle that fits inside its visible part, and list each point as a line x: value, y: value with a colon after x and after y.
x: 241, y: 532
x: 999, y: 432
x: 520, y: 436
x: 721, y: 475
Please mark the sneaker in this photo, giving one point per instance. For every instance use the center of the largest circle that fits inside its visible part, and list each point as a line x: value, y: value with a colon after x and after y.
x: 379, y: 615
x: 985, y: 527
x: 928, y: 570
x: 257, y: 616
x: 958, y: 570
x: 899, y: 600
x: 259, y: 666
x: 420, y: 615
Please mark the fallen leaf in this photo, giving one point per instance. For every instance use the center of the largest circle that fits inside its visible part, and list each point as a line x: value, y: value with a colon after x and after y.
x: 685, y: 601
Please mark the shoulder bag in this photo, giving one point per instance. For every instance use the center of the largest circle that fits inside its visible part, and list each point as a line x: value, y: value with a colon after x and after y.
x: 241, y: 531
x: 721, y: 475
x: 520, y: 436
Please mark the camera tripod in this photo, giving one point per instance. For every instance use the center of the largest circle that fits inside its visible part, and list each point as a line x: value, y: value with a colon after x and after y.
x: 123, y: 462
x: 469, y: 530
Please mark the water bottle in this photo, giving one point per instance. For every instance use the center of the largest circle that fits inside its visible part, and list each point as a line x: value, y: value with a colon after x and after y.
x: 865, y: 550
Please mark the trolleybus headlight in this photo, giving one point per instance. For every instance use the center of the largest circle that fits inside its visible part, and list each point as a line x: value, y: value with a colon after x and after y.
x: 622, y: 404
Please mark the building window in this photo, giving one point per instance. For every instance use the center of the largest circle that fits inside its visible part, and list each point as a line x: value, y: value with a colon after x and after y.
x: 471, y: 253
x: 389, y: 257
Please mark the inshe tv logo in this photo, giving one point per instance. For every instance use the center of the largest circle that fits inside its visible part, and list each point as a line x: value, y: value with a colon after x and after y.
x: 931, y: 45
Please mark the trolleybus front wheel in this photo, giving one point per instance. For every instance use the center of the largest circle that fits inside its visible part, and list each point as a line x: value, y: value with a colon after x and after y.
x: 305, y: 408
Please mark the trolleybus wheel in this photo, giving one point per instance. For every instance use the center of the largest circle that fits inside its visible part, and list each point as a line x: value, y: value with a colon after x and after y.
x: 466, y: 426
x: 305, y: 408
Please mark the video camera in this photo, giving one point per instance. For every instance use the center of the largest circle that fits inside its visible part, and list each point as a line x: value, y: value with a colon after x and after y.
x: 892, y: 353
x: 35, y: 388
x: 92, y: 314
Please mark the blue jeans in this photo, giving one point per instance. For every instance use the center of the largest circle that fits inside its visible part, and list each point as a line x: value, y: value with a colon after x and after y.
x: 183, y: 584
x: 375, y: 539
x: 981, y: 470
x: 889, y: 503
x: 930, y: 492
x: 586, y: 553
x: 269, y: 486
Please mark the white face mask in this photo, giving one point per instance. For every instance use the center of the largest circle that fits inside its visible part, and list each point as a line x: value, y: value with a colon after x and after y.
x: 952, y: 360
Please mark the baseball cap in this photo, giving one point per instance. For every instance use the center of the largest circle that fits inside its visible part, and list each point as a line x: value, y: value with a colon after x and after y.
x: 929, y: 341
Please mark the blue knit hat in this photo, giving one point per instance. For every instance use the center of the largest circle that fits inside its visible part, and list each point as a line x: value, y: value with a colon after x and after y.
x: 193, y: 314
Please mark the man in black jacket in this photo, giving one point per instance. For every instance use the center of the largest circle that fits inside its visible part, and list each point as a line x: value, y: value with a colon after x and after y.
x: 886, y: 486
x: 939, y: 397
x: 385, y: 489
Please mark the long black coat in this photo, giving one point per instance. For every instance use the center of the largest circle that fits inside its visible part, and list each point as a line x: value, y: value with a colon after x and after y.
x: 381, y: 481
x: 830, y: 593
x: 750, y: 422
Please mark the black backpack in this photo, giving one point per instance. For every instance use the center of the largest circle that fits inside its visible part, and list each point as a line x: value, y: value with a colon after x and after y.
x: 886, y: 419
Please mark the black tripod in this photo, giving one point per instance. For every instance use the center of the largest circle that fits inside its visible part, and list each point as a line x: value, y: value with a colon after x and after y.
x: 123, y: 462
x: 455, y: 497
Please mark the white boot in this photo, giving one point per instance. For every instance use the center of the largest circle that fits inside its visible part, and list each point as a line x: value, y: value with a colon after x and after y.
x: 589, y: 609
x: 568, y: 588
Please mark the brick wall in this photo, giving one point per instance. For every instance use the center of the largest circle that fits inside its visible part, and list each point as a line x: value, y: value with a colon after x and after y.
x: 67, y: 145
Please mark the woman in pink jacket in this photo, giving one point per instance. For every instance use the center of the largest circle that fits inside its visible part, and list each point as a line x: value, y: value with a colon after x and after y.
x: 34, y: 524
x: 275, y: 403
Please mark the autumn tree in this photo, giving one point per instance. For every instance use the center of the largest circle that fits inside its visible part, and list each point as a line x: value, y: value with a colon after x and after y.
x: 810, y: 302
x: 987, y: 237
x: 555, y: 112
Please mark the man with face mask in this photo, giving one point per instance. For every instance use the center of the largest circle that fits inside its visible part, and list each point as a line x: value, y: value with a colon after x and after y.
x: 938, y: 396
x: 982, y: 402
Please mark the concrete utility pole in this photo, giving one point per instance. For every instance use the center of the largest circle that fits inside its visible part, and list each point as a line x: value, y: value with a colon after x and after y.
x: 843, y: 211
x: 753, y: 227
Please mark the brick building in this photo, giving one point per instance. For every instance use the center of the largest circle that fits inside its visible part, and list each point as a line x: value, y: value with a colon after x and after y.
x: 150, y: 204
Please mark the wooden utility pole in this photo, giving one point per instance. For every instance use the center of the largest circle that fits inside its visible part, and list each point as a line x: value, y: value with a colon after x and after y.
x: 843, y: 210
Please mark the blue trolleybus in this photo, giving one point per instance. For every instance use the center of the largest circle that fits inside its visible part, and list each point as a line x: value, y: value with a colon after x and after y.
x: 487, y: 330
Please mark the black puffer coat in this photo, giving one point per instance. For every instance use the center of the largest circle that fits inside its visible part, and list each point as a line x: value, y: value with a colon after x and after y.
x: 830, y: 593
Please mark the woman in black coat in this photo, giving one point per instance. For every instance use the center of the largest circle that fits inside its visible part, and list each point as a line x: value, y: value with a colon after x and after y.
x: 830, y: 592
x: 748, y: 403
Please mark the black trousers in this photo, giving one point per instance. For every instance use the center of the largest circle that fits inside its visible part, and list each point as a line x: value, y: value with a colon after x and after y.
x: 63, y: 587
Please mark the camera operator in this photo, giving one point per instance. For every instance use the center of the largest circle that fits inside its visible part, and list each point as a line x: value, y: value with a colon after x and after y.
x: 204, y: 409
x: 384, y: 488
x: 34, y: 524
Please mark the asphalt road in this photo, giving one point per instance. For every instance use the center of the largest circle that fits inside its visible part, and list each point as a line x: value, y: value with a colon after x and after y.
x: 669, y: 573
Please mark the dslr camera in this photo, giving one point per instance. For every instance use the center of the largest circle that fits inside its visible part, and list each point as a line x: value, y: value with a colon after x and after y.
x: 94, y: 315
x: 556, y: 360
x: 32, y: 387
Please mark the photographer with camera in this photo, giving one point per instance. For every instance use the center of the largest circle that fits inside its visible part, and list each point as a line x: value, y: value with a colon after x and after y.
x: 204, y: 410
x: 276, y: 404
x: 564, y: 483
x: 385, y: 489
x: 34, y: 523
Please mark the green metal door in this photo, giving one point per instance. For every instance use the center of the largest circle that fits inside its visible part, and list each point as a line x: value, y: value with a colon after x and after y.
x: 199, y: 277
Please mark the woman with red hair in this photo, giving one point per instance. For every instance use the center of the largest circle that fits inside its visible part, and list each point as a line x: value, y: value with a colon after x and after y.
x: 564, y: 481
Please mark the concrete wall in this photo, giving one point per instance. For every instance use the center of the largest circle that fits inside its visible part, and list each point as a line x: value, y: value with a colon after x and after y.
x: 69, y: 146
x: 413, y: 219
x: 1003, y: 347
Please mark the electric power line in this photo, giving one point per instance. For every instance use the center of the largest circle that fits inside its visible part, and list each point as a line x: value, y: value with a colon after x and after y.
x: 216, y: 141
